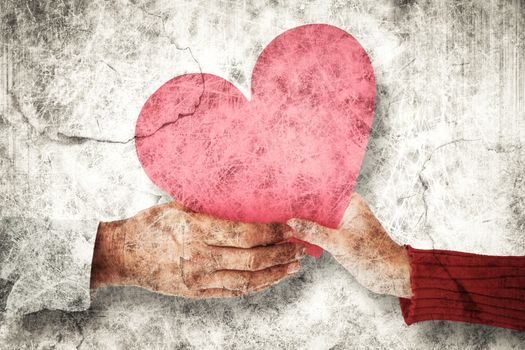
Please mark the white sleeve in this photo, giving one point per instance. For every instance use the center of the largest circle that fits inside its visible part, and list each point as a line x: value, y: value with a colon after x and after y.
x: 48, y: 263
x: 59, y: 178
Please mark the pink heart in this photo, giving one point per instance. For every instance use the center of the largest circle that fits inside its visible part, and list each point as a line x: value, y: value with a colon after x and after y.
x: 293, y: 150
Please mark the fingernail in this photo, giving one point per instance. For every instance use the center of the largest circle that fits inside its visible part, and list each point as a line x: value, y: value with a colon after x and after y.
x: 293, y: 223
x: 290, y: 222
x: 293, y: 268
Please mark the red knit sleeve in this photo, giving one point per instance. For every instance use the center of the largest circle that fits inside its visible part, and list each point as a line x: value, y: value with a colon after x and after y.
x: 464, y: 287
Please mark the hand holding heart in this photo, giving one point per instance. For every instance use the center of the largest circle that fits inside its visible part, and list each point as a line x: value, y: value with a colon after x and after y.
x: 292, y: 151
x: 174, y: 251
x: 363, y: 247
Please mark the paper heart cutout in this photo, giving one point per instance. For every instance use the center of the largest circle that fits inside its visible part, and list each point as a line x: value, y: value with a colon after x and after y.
x: 293, y: 150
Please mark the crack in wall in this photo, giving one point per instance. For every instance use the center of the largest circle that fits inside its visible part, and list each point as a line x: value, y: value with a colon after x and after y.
x: 63, y: 138
x: 425, y: 183
x: 187, y: 48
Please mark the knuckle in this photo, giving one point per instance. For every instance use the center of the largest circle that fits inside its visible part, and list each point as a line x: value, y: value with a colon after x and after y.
x: 281, y: 271
x: 192, y: 280
x: 247, y: 237
x: 192, y: 277
x: 276, y: 231
x: 194, y: 229
x: 247, y: 286
x: 285, y: 251
x: 244, y: 282
x: 238, y: 238
x: 252, y: 262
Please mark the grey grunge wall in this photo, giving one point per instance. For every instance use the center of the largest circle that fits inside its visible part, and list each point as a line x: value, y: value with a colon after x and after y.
x: 444, y: 167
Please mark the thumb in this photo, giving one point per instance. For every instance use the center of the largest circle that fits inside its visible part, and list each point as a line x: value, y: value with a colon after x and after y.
x: 314, y: 233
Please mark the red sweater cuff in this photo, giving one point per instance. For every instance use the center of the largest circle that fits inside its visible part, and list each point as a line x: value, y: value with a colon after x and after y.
x: 464, y: 287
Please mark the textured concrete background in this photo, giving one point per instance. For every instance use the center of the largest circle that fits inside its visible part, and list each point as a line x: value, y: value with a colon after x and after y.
x: 445, y: 166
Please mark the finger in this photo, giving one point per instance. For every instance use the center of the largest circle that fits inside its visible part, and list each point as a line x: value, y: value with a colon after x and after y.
x: 213, y: 293
x: 314, y: 233
x: 258, y: 258
x: 246, y: 281
x: 259, y: 289
x: 242, y: 235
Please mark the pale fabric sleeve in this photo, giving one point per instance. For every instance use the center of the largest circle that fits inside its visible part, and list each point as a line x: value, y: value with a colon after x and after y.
x: 48, y: 263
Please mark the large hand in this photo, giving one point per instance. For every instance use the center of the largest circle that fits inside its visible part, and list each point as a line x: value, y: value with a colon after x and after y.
x: 363, y: 247
x: 174, y: 251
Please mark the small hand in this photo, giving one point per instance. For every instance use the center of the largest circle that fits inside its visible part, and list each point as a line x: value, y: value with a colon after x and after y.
x: 174, y: 251
x: 363, y: 247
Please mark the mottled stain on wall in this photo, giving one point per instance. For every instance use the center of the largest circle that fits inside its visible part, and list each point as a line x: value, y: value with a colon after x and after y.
x: 444, y: 167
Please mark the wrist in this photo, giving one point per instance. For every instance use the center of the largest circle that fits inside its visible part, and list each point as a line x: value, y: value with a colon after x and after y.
x: 107, y: 265
x: 403, y: 266
x: 382, y: 267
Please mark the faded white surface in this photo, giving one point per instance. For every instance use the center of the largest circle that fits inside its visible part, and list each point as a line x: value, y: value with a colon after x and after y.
x: 445, y: 166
